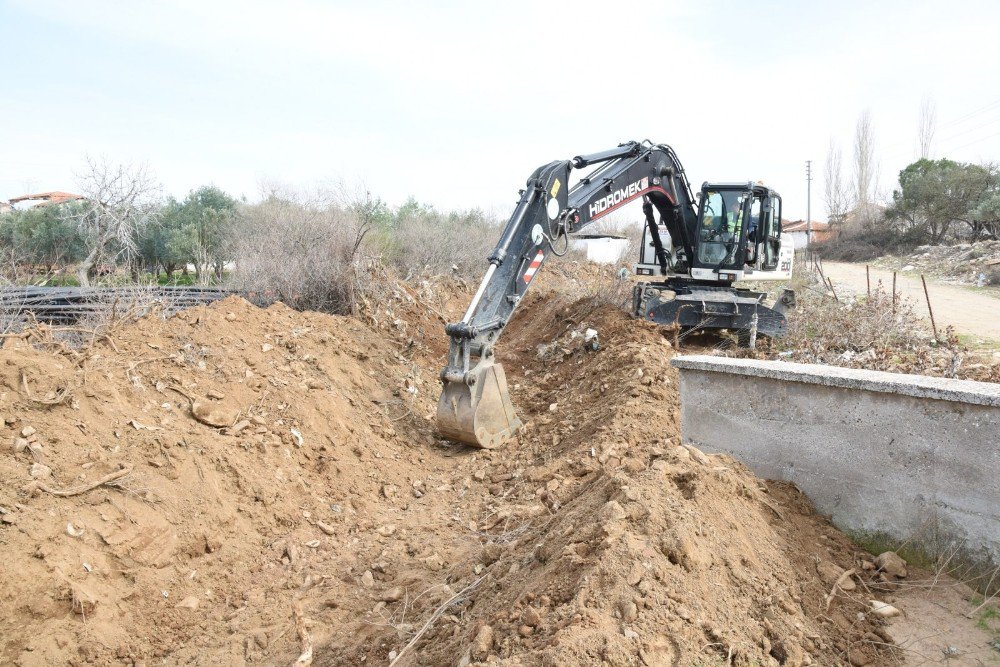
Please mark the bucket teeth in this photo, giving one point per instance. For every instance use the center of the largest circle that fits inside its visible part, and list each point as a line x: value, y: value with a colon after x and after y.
x: 478, y: 413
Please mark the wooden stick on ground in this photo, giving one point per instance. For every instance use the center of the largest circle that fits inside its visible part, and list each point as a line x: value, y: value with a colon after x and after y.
x: 988, y: 599
x: 437, y: 613
x: 830, y: 284
x: 61, y: 395
x: 836, y: 585
x: 929, y: 309
x: 75, y: 491
x: 893, y: 292
x: 306, y: 657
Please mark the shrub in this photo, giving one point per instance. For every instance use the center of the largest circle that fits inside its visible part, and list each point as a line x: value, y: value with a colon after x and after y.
x: 419, y: 241
x: 823, y: 325
x: 305, y: 251
x: 868, y: 243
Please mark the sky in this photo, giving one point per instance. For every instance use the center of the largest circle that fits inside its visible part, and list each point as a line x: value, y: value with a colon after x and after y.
x: 456, y: 103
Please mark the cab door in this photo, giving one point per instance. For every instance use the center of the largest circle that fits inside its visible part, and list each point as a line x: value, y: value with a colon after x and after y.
x: 754, y: 223
x: 770, y: 233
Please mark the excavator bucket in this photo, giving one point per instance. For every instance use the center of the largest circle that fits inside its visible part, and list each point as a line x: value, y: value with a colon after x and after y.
x: 479, y: 412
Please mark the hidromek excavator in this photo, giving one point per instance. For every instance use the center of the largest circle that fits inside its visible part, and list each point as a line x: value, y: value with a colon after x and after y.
x: 697, y: 250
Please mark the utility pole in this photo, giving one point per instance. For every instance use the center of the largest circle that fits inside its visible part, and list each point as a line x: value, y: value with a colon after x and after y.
x: 809, y: 220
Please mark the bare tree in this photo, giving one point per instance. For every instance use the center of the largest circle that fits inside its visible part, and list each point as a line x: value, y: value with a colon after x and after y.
x: 864, y: 164
x: 306, y: 249
x: 834, y: 190
x: 119, y: 201
x: 926, y: 126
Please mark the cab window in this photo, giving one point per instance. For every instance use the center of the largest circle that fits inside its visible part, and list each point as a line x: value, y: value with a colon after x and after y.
x: 722, y: 220
x: 754, y: 223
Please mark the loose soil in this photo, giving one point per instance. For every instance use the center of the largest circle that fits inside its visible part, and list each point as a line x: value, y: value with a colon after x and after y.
x: 237, y: 485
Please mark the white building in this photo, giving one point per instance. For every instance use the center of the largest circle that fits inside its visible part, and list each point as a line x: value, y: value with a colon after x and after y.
x: 602, y: 249
x: 798, y: 231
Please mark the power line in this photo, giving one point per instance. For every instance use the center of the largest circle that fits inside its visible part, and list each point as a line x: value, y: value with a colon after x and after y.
x: 897, y: 150
x: 978, y: 127
x: 972, y: 143
x: 957, y: 121
x: 963, y: 118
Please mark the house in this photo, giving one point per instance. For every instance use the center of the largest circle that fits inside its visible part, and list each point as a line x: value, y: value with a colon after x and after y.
x: 5, y: 207
x: 43, y: 199
x: 821, y: 232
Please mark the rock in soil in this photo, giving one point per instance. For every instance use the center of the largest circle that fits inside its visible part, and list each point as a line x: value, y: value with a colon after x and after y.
x: 890, y: 563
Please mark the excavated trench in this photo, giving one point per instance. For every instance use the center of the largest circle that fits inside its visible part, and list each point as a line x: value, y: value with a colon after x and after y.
x: 325, y: 512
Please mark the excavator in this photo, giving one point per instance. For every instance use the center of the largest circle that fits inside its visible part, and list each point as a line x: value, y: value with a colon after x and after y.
x: 689, y: 261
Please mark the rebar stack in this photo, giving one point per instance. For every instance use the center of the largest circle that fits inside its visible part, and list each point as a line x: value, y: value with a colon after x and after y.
x: 66, y: 305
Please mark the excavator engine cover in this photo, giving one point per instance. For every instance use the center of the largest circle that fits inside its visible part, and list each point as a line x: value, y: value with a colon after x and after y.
x: 478, y: 410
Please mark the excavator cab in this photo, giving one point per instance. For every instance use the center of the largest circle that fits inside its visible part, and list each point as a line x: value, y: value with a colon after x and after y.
x: 738, y: 232
x: 737, y: 236
x: 722, y: 219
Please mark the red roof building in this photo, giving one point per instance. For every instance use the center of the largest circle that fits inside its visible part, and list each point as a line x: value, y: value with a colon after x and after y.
x: 821, y: 232
x: 40, y: 198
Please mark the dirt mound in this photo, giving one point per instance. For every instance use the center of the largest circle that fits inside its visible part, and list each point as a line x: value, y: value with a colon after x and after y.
x: 235, y: 484
x: 632, y: 549
x: 963, y: 264
x: 256, y: 442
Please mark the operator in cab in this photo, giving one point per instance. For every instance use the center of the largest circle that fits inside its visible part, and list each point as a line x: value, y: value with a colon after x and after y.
x: 734, y: 217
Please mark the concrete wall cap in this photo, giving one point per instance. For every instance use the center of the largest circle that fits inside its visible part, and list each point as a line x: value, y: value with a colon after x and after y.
x: 921, y: 386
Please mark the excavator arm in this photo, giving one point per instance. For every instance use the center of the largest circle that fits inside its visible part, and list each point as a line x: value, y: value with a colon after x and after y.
x: 475, y: 406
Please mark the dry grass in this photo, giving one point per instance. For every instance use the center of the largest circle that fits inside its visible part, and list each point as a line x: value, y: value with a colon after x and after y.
x: 873, y: 332
x: 822, y: 324
x: 603, y: 284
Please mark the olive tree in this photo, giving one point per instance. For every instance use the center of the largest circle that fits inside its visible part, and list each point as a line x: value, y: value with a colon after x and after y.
x: 198, y: 230
x: 936, y: 195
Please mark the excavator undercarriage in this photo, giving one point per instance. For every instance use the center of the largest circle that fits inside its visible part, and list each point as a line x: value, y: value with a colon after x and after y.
x: 691, y: 306
x: 696, y: 251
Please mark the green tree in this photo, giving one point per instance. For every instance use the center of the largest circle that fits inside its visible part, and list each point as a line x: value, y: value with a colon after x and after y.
x: 49, y: 240
x: 157, y: 245
x: 39, y: 241
x: 197, y: 231
x: 934, y: 195
x: 986, y: 215
x: 410, y: 209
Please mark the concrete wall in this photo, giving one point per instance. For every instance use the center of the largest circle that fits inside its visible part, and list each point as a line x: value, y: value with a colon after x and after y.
x: 901, y: 455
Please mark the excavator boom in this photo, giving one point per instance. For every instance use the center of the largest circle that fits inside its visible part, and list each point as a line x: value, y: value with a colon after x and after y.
x: 733, y: 232
x: 475, y: 405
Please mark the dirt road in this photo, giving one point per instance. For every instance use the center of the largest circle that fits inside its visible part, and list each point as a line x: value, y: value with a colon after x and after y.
x: 968, y: 311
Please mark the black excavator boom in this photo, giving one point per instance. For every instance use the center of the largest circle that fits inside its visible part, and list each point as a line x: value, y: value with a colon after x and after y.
x: 475, y: 405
